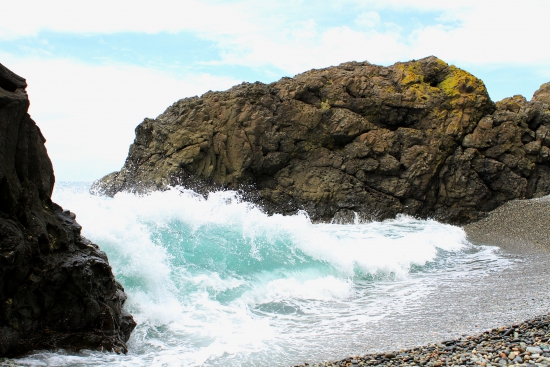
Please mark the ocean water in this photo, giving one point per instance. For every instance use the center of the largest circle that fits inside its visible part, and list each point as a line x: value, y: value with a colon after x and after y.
x: 216, y: 282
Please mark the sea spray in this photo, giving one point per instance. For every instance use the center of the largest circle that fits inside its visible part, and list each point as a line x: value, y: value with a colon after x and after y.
x: 215, y: 281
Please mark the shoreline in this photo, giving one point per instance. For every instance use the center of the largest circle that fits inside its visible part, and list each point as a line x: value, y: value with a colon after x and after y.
x: 521, y: 344
x: 521, y: 229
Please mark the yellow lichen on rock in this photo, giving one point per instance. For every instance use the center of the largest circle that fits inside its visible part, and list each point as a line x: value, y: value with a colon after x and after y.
x: 460, y: 82
x: 412, y: 74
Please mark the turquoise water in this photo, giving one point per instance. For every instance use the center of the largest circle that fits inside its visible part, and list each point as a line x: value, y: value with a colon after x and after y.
x: 215, y: 281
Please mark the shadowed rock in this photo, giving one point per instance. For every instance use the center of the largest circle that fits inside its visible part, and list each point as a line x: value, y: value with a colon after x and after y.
x: 57, y: 289
x: 421, y: 138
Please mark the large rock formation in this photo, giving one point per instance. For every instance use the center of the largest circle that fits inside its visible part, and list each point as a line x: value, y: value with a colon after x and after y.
x: 56, y: 288
x: 420, y: 137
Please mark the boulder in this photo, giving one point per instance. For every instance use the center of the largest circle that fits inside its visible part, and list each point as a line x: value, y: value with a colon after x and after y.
x: 57, y: 289
x: 421, y: 138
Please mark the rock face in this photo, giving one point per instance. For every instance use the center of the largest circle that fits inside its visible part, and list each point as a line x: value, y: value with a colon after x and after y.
x: 421, y: 138
x: 56, y: 287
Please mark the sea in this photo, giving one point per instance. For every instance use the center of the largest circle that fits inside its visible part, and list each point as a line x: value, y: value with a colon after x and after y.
x: 214, y: 281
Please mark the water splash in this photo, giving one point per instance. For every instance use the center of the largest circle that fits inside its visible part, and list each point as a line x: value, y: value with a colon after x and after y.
x: 216, y: 281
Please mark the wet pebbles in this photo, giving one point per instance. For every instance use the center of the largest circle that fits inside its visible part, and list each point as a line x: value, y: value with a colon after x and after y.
x: 524, y: 344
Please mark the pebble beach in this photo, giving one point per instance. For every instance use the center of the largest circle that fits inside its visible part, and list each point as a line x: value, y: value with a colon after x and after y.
x: 520, y: 228
x: 524, y: 344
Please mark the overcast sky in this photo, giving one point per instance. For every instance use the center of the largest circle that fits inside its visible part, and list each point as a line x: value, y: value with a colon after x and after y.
x: 97, y: 68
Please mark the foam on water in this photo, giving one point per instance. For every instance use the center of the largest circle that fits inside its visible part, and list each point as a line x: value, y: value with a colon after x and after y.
x: 216, y: 281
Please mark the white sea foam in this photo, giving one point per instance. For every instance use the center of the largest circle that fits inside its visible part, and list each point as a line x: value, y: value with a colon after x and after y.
x: 216, y: 281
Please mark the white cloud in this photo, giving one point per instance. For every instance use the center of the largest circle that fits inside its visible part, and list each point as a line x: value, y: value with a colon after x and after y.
x: 28, y: 17
x: 88, y: 113
x: 482, y: 33
x: 259, y: 34
x: 369, y: 19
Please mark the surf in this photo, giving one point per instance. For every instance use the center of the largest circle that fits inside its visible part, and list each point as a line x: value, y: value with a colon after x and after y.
x: 216, y: 281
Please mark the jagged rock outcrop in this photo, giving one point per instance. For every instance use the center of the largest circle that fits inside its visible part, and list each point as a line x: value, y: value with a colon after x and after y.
x: 56, y: 287
x: 421, y: 138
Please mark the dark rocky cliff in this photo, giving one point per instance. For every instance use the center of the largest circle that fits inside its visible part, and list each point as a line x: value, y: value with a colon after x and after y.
x: 421, y: 138
x: 56, y: 288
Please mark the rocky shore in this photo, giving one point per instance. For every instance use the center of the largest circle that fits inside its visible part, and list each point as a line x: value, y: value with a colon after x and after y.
x: 421, y: 138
